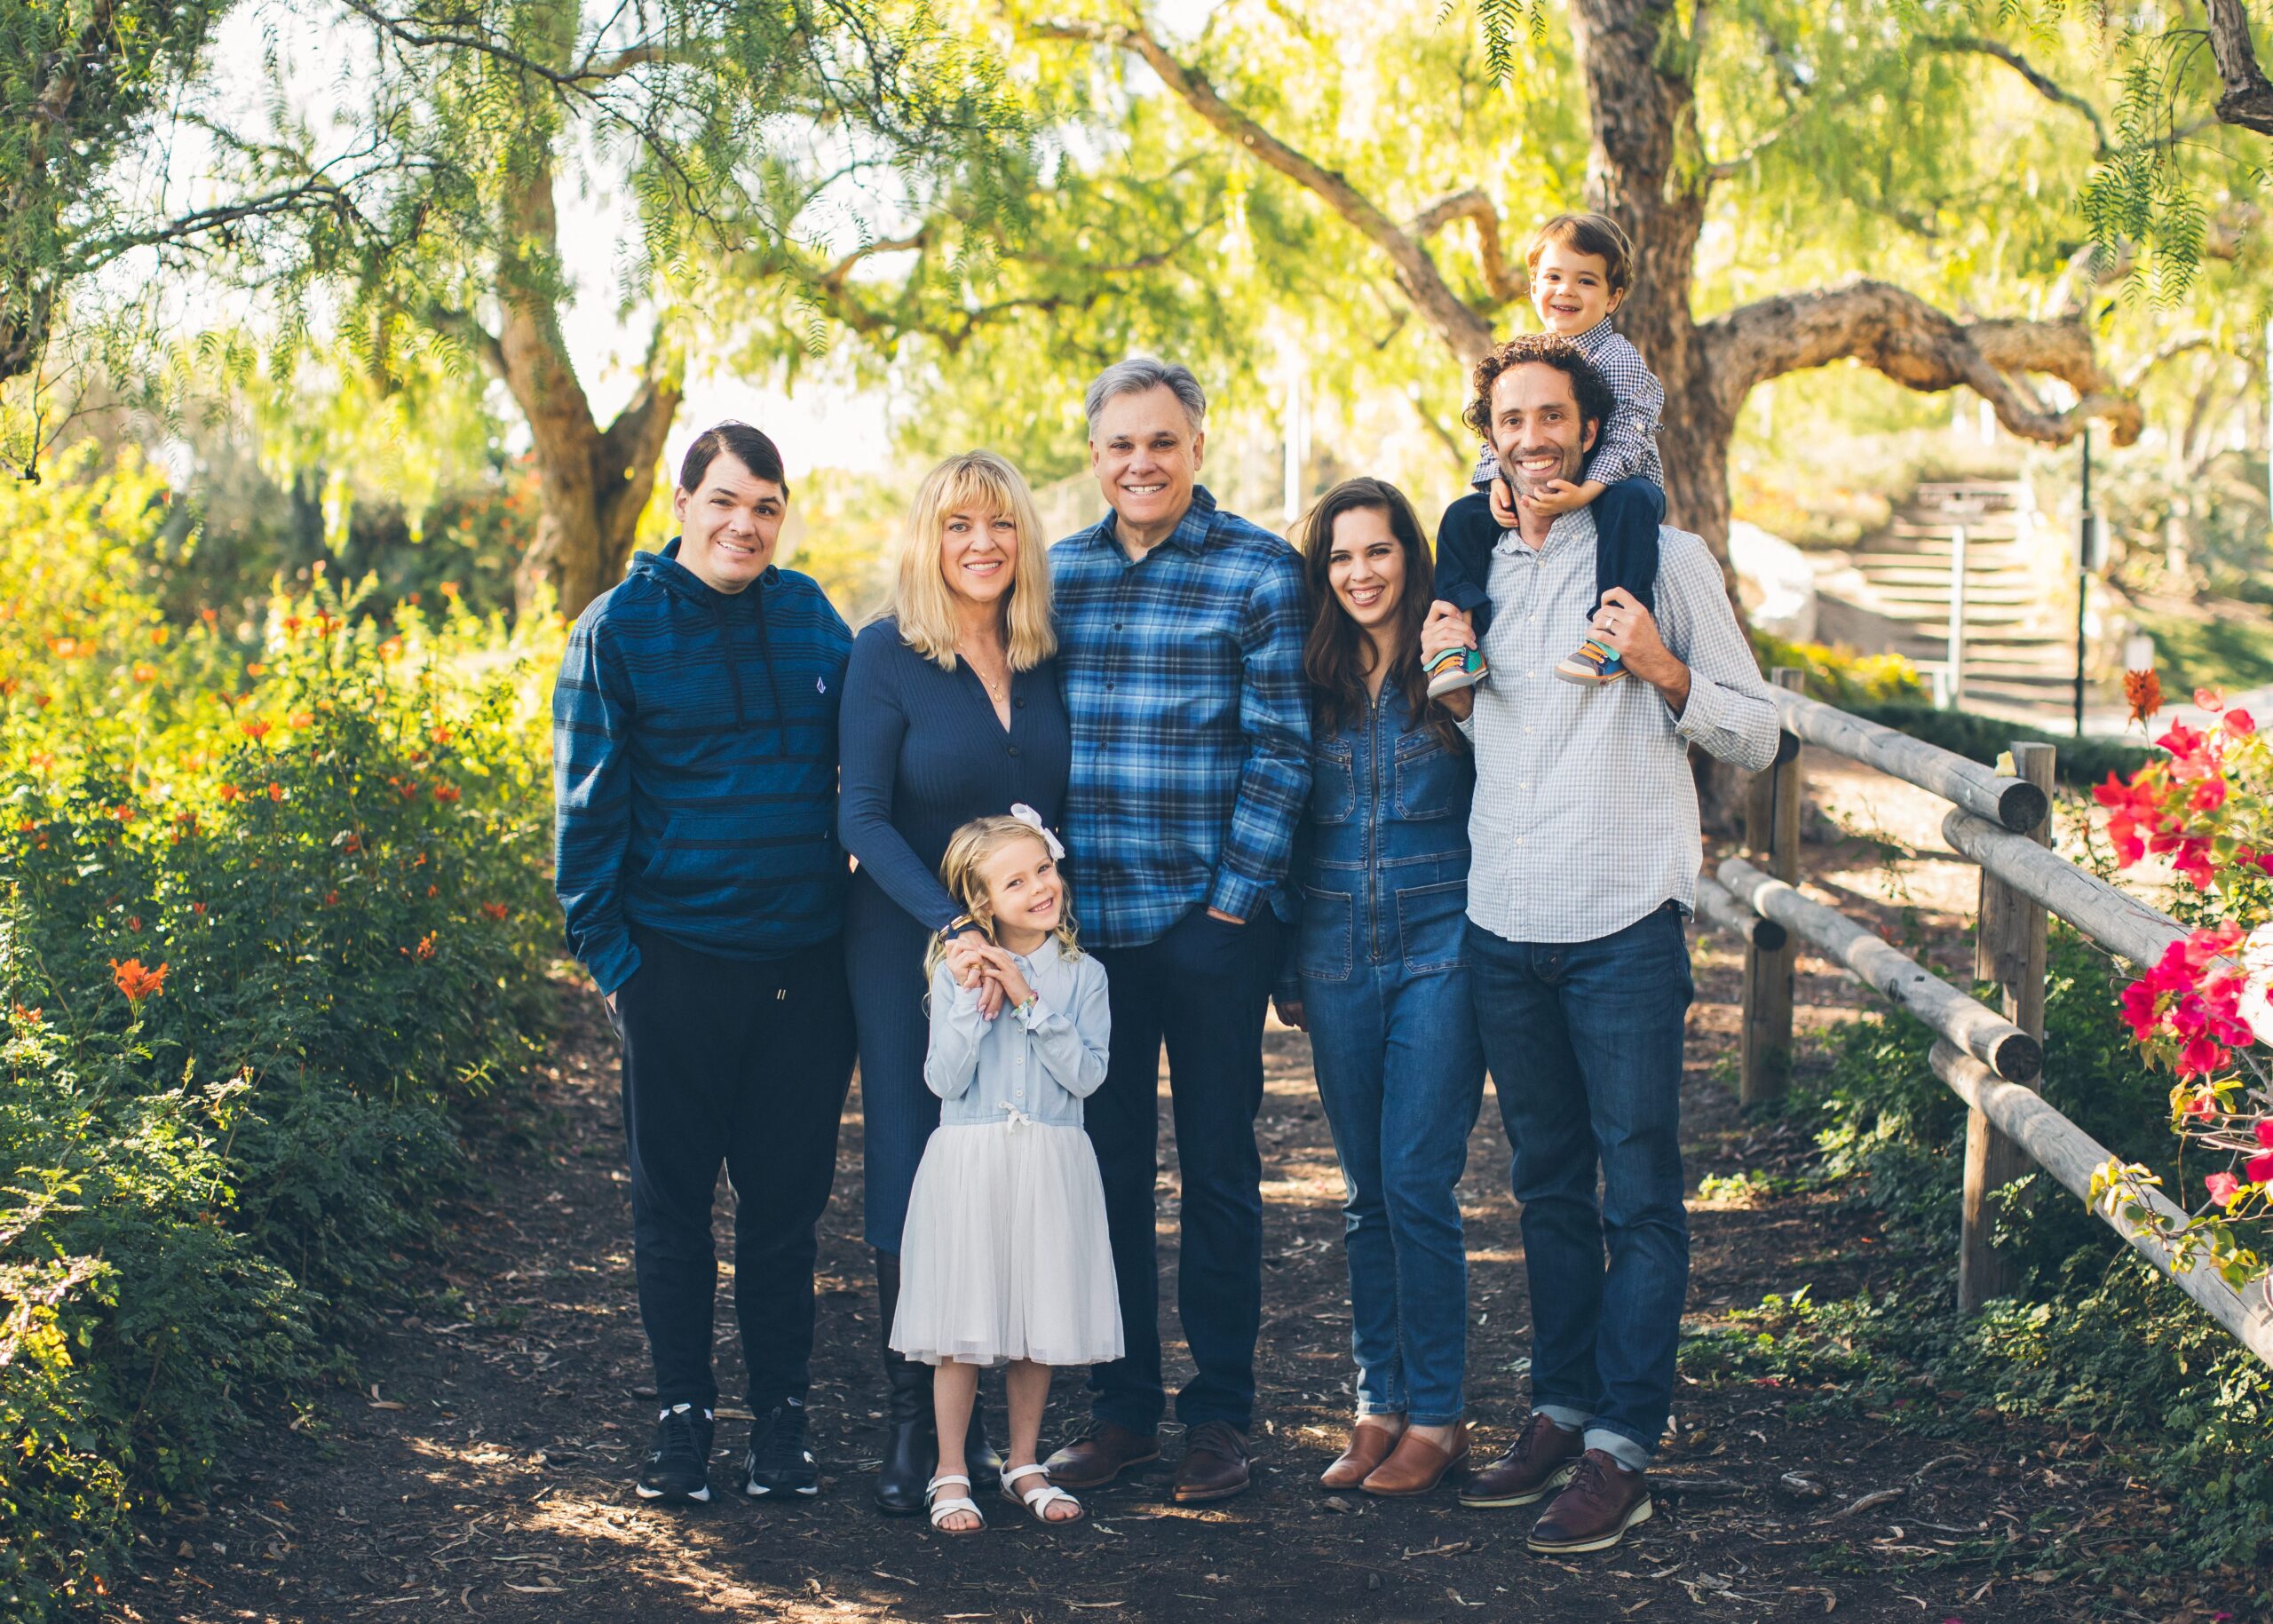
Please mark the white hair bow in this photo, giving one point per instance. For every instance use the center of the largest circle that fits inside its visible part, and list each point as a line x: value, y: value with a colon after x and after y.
x: 1032, y: 819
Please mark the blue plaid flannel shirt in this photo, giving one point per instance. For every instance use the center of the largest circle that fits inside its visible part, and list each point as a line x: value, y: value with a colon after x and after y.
x: 1183, y: 676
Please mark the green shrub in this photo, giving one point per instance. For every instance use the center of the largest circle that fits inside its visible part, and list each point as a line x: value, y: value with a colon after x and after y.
x: 2093, y: 1338
x: 1839, y: 675
x: 272, y: 901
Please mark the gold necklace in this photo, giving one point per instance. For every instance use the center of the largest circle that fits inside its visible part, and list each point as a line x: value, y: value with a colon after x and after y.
x: 994, y: 689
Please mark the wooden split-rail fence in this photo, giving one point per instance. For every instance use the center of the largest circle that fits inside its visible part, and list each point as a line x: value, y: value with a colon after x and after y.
x: 1991, y: 1059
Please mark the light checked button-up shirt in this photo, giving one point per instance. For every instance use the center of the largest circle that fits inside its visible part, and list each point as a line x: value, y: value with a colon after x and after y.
x: 1585, y: 818
x: 1035, y: 1065
x: 1182, y: 677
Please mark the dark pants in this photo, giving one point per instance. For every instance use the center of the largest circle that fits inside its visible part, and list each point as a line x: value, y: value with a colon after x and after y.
x: 1584, y: 1041
x: 1626, y: 516
x: 1201, y: 987
x: 745, y: 1063
x: 883, y: 957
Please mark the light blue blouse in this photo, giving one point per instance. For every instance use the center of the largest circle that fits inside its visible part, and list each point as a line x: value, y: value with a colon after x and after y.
x: 1036, y: 1065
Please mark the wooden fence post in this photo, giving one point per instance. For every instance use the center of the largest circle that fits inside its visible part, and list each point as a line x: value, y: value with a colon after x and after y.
x: 2009, y: 949
x: 1771, y: 829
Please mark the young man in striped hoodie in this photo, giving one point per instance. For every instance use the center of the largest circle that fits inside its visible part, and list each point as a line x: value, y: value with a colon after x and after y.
x: 694, y: 769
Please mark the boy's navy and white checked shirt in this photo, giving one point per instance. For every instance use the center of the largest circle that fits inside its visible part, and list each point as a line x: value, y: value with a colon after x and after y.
x: 694, y: 767
x: 1628, y: 444
x: 1182, y: 677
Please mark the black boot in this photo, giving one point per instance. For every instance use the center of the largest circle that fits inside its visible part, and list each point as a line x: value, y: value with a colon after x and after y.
x: 911, y: 1439
x: 983, y: 1459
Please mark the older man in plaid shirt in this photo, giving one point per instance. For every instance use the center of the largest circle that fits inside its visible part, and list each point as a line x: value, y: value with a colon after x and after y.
x: 1180, y: 647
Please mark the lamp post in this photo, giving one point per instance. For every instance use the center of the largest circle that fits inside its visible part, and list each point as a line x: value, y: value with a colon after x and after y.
x: 2091, y: 553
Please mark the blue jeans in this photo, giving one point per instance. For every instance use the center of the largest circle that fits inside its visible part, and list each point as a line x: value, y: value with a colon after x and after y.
x: 1400, y: 1071
x: 1584, y: 1041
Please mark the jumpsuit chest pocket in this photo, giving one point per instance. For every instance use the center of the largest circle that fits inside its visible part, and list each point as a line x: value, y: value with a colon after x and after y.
x: 1432, y: 781
x: 1334, y: 782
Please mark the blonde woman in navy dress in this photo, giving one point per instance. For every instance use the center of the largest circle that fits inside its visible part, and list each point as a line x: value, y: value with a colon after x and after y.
x: 951, y: 712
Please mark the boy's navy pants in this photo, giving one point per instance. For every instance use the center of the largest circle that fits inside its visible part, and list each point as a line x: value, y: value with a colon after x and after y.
x: 1626, y: 516
x: 745, y: 1063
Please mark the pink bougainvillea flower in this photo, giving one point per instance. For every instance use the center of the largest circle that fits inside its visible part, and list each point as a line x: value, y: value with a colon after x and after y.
x: 2260, y: 1169
x: 2209, y: 796
x: 2223, y: 1188
x: 2202, y: 1058
x: 2240, y: 724
x: 2139, y: 1001
x: 2264, y: 1131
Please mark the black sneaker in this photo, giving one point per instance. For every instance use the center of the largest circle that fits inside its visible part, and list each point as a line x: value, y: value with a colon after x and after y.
x: 678, y: 1467
x: 780, y: 1461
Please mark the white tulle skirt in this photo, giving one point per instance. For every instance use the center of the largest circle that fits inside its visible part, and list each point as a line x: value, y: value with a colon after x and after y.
x: 1005, y: 1255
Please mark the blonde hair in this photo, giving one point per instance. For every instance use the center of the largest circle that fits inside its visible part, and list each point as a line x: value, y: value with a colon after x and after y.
x: 977, y: 482
x: 968, y: 849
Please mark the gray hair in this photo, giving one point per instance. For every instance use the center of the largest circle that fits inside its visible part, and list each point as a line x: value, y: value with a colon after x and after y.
x: 1140, y: 374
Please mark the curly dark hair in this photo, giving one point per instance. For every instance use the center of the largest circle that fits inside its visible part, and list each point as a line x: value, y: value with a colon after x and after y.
x: 1548, y: 349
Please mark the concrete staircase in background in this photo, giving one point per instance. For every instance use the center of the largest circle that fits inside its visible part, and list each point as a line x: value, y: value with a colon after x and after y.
x: 2019, y: 644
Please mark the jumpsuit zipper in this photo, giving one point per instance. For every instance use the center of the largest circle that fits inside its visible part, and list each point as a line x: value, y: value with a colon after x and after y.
x: 1374, y: 829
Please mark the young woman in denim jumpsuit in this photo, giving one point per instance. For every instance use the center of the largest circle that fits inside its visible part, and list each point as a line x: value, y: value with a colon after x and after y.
x: 1380, y: 978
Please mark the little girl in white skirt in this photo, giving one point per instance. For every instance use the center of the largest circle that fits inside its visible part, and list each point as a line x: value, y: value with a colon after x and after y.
x: 1005, y: 1257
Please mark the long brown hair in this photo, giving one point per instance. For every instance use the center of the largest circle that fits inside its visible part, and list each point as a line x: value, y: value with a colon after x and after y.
x: 1334, y: 655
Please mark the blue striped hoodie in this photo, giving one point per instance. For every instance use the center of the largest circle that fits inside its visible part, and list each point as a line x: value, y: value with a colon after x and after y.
x: 694, y: 767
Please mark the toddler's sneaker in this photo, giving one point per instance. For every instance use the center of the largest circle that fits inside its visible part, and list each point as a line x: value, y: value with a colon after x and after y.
x: 1455, y: 669
x: 678, y: 1466
x: 780, y: 1461
x: 1593, y: 665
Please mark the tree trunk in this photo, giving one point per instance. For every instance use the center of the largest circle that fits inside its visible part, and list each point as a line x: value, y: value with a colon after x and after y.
x: 593, y: 482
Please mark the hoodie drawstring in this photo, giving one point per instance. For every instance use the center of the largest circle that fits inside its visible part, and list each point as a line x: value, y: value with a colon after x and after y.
x: 773, y: 677
x: 765, y: 652
x: 726, y: 637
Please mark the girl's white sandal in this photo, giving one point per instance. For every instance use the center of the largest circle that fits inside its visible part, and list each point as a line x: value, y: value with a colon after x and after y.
x: 944, y: 1508
x: 1039, y: 1498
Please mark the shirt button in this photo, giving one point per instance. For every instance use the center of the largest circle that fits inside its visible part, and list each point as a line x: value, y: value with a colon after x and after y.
x: 1014, y: 750
x: 1018, y: 703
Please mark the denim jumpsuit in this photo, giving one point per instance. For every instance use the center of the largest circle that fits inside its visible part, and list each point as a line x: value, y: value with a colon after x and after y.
x: 1381, y: 971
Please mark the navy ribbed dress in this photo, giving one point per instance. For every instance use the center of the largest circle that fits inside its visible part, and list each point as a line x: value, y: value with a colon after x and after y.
x: 923, y: 754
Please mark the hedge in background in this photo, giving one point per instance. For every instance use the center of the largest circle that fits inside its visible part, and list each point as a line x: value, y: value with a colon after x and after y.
x: 273, y: 899
x: 2080, y: 763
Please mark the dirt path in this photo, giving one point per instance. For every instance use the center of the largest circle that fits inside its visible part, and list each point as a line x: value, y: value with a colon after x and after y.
x: 485, y: 1470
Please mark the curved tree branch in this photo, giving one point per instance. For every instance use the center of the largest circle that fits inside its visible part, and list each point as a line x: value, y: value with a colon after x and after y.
x: 1474, y: 204
x: 2039, y: 81
x: 1467, y: 333
x: 1896, y: 333
x: 2248, y: 100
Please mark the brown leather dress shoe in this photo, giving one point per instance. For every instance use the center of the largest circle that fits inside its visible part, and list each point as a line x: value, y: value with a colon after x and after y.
x: 1101, y: 1454
x: 1369, y: 1446
x: 1540, y: 1461
x: 1418, y: 1464
x: 1215, y: 1464
x: 1604, y: 1500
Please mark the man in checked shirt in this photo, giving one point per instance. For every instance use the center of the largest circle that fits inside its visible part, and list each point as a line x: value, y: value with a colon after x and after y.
x: 1586, y: 849
x: 1180, y: 635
